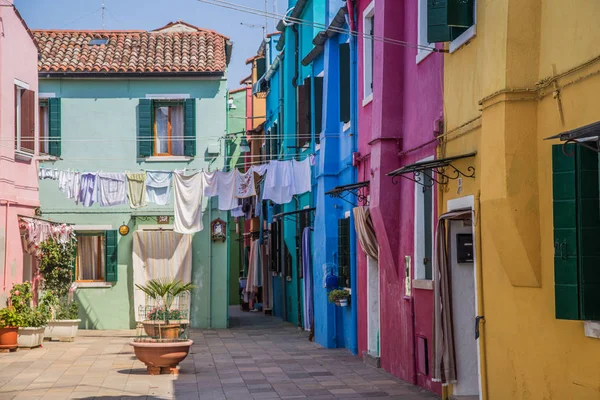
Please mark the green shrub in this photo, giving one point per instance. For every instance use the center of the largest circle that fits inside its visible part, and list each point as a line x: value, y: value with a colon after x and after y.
x: 56, y: 266
x: 9, y: 317
x: 338, y: 294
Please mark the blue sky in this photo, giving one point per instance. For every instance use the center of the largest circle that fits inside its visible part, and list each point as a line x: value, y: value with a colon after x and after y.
x: 152, y: 14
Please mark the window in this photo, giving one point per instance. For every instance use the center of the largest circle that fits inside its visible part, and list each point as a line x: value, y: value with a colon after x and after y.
x: 24, y: 120
x: 369, y: 51
x: 318, y: 108
x: 89, y: 263
x: 576, y: 202
x: 168, y: 130
x: 98, y: 42
x: 422, y: 31
x: 344, y: 82
x: 451, y: 21
x: 44, y: 121
x: 344, y: 252
x: 304, y: 114
x: 96, y: 256
x: 423, y: 241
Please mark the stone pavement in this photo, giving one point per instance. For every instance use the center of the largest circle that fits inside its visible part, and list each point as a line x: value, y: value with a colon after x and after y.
x: 258, y: 358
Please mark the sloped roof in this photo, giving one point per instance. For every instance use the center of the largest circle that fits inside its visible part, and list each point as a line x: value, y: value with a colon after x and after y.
x: 167, y: 50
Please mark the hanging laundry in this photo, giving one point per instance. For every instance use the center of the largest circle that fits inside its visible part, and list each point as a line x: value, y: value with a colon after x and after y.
x: 302, y: 176
x: 112, y: 189
x: 211, y: 187
x: 136, y: 183
x: 76, y: 186
x: 260, y: 169
x: 88, y: 193
x: 226, y: 190
x: 237, y: 212
x: 279, y: 182
x: 158, y: 187
x: 244, y: 184
x: 48, y: 173
x: 188, y: 203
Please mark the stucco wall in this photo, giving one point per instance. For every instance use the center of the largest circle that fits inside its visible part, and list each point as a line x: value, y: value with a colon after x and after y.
x: 18, y: 179
x: 99, y: 125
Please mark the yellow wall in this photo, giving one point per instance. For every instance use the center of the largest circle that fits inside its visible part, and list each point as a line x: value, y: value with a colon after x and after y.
x: 496, y: 83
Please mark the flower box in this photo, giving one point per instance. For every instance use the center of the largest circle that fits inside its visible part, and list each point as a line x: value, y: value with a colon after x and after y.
x: 31, y: 337
x: 63, y: 329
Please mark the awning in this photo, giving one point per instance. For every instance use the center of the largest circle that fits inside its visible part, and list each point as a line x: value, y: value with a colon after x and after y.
x: 587, y: 136
x: 439, y: 171
x: 355, y: 189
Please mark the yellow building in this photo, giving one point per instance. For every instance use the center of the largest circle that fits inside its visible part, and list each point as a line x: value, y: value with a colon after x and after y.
x: 524, y: 71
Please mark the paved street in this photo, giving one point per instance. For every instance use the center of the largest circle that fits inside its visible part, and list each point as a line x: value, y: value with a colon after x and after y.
x: 258, y: 358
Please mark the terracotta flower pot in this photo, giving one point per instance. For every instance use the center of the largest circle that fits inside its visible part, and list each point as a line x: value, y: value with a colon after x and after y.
x: 161, y: 357
x: 8, y: 338
x: 160, y: 330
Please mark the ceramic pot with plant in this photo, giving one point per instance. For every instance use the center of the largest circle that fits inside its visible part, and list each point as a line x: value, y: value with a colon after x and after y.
x: 339, y: 297
x: 163, y: 321
x: 31, y: 332
x: 10, y: 321
x: 64, y: 321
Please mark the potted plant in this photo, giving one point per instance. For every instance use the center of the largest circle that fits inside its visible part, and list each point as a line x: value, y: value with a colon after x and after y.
x: 162, y: 321
x: 56, y: 268
x: 10, y: 320
x: 31, y: 331
x: 339, y: 297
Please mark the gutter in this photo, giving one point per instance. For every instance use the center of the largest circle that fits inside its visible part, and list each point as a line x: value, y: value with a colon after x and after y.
x: 296, y: 12
x: 50, y: 74
x: 319, y: 40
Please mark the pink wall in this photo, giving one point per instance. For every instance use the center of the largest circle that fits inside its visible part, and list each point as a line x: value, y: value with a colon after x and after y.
x: 18, y: 179
x: 406, y: 103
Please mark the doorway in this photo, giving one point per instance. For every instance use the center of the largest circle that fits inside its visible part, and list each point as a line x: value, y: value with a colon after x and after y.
x: 373, y: 307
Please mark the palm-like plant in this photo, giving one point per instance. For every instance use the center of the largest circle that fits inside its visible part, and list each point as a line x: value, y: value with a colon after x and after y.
x: 164, y: 291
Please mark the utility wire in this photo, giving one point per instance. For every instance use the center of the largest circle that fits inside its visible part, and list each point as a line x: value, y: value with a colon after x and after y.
x: 250, y: 10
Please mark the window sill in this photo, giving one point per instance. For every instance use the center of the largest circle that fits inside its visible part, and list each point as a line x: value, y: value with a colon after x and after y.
x: 45, y: 157
x: 85, y: 285
x: 422, y: 54
x: 347, y: 126
x: 367, y: 100
x: 422, y: 284
x: 463, y: 39
x: 592, y: 329
x: 23, y: 156
x: 168, y: 159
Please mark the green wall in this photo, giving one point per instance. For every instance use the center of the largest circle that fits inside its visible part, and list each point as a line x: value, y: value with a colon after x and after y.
x: 99, y: 130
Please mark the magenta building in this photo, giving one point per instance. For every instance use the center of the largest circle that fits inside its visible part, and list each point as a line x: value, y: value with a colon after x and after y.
x: 400, y: 113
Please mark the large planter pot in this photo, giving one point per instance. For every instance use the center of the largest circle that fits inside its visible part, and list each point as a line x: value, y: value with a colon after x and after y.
x: 63, y: 329
x: 31, y: 337
x: 8, y: 338
x: 161, y: 357
x: 158, y: 329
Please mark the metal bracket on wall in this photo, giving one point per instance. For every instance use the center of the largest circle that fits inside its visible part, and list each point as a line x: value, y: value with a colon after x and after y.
x: 428, y: 173
x: 358, y: 190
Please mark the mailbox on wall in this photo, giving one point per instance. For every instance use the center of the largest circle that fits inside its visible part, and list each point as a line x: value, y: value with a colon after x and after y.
x: 464, y: 248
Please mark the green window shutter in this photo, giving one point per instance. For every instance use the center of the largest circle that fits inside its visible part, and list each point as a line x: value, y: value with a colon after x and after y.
x: 54, y: 123
x: 344, y: 252
x: 111, y: 260
x: 447, y: 19
x: 261, y: 67
x: 588, y: 232
x: 145, y: 128
x: 564, y: 191
x: 345, y: 82
x: 318, y: 108
x: 189, y: 146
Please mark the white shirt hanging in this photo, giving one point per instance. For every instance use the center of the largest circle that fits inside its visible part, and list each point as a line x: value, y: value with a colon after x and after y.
x: 244, y: 184
x: 302, y: 176
x: 279, y: 183
x: 226, y: 190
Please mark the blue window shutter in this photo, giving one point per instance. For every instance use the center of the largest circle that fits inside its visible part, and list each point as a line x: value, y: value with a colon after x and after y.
x: 345, y: 82
x: 318, y: 108
x: 111, y: 259
x: 189, y: 144
x: 54, y: 123
x: 145, y: 128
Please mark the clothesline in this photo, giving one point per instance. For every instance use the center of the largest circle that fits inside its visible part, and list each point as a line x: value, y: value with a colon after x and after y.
x: 240, y: 156
x: 282, y: 180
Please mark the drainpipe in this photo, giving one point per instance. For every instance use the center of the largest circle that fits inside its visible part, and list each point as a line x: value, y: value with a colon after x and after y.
x: 298, y: 244
x: 210, y: 264
x: 6, y: 204
x: 480, y: 305
x: 283, y: 274
x: 296, y: 56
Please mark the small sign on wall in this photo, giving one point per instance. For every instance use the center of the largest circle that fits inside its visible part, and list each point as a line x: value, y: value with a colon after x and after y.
x: 163, y: 219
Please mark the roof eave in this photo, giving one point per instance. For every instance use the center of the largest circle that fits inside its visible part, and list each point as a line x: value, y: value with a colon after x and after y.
x: 56, y: 74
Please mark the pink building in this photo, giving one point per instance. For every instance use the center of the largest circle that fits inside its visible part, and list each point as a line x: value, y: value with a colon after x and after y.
x: 19, y: 143
x: 399, y: 112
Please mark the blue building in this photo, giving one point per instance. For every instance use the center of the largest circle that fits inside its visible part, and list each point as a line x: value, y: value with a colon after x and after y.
x: 310, y: 81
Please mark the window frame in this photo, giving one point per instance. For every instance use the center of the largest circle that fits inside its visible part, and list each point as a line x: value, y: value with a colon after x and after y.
x: 422, y: 32
x: 165, y: 103
x: 420, y: 252
x: 101, y: 255
x: 44, y: 127
x: 22, y: 152
x: 368, y: 20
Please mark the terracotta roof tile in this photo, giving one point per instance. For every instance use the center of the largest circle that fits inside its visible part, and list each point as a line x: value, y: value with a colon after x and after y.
x: 156, y: 51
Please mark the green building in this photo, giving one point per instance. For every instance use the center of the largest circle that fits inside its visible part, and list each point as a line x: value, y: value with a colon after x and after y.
x: 134, y: 101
